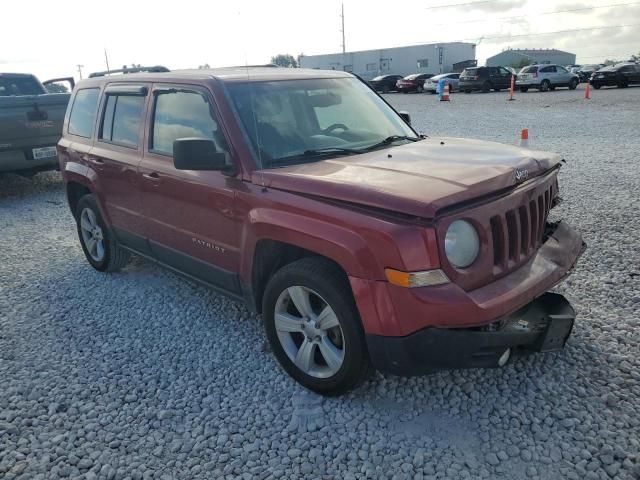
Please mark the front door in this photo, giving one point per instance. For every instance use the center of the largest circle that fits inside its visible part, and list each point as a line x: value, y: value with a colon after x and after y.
x: 117, y: 153
x: 189, y: 215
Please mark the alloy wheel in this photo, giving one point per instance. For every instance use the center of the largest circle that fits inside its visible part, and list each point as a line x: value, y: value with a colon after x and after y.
x: 309, y: 332
x: 92, y: 235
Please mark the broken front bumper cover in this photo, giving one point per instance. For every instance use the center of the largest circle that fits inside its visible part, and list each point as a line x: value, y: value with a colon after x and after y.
x: 544, y: 325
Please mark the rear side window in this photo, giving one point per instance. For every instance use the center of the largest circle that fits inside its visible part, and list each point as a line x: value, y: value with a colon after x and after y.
x: 470, y: 72
x: 529, y: 70
x: 10, y: 86
x: 83, y: 112
x: 121, y: 121
x: 183, y: 114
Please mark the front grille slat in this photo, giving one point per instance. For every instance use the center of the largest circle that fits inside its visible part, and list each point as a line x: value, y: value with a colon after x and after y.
x: 513, y: 231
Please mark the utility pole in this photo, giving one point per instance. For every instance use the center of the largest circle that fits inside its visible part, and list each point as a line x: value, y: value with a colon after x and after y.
x: 344, y: 46
x: 80, y: 70
x: 106, y: 59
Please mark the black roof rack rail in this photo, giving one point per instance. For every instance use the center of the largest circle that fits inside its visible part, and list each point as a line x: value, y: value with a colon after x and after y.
x: 154, y: 69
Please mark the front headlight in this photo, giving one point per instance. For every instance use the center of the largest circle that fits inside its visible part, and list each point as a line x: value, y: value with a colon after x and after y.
x: 461, y: 244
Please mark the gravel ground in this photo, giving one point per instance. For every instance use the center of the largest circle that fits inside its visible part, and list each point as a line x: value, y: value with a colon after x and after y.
x: 142, y: 374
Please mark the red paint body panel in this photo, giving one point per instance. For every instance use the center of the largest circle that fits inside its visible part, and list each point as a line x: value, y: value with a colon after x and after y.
x: 383, y: 209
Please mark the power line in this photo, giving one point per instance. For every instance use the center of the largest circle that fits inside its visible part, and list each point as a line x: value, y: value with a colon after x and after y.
x: 581, y: 9
x: 458, y: 4
x: 559, y: 31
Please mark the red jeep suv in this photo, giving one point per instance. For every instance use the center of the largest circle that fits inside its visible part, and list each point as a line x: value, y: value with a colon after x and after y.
x: 304, y: 195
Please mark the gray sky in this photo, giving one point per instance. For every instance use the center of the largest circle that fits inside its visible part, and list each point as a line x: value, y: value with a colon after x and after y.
x: 50, y: 38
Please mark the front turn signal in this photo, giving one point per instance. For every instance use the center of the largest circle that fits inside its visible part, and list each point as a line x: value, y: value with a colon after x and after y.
x: 416, y: 279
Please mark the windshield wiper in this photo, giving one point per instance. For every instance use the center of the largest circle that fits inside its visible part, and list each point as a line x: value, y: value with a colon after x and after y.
x: 314, y: 152
x: 390, y: 140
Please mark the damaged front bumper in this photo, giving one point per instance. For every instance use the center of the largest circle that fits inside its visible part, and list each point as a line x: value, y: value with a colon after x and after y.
x: 544, y: 325
x: 539, y: 325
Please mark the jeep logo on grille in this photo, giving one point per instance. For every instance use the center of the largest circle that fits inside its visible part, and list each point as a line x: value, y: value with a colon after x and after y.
x: 522, y: 175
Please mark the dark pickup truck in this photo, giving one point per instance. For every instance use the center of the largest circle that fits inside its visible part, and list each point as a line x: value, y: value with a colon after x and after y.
x: 30, y: 123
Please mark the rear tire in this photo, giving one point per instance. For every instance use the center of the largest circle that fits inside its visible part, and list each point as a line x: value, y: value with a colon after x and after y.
x: 486, y: 87
x: 573, y: 84
x: 420, y: 89
x: 331, y: 360
x: 98, y: 243
x: 385, y: 89
x: 497, y: 89
x: 597, y: 86
x: 623, y: 84
x: 524, y: 89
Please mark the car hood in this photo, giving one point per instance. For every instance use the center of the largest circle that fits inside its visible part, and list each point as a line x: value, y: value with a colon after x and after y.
x: 418, y: 178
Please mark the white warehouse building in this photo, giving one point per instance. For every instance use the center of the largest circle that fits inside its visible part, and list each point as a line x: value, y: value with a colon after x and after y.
x: 430, y: 58
x: 530, y: 56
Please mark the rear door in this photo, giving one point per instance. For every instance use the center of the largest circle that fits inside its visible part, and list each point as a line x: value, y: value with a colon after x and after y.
x: 563, y: 76
x: 189, y: 215
x: 548, y: 73
x: 504, y: 77
x: 116, y: 155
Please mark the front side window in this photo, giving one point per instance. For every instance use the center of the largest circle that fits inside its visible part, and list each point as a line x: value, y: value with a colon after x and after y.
x: 121, y: 121
x: 289, y: 121
x: 183, y: 114
x: 83, y: 112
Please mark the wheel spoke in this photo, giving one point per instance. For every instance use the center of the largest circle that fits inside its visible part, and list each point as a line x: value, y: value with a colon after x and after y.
x: 331, y: 354
x: 287, y: 323
x: 91, y: 244
x: 92, y: 216
x: 300, y: 298
x: 84, y: 222
x: 304, y: 358
x: 327, y: 319
x: 99, y: 249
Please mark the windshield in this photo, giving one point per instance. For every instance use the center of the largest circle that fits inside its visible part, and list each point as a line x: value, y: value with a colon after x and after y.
x: 289, y: 121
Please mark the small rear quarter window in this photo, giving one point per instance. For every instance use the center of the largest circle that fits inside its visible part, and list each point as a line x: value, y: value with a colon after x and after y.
x: 83, y: 112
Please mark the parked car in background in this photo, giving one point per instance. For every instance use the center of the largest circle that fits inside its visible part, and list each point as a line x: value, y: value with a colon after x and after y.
x: 451, y: 78
x: 360, y: 241
x: 585, y: 72
x: 485, y: 79
x: 385, y: 83
x: 30, y: 123
x: 546, y: 77
x: 412, y: 83
x: 621, y: 75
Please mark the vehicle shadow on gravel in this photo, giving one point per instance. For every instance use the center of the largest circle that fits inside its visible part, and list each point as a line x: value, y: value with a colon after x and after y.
x: 17, y: 186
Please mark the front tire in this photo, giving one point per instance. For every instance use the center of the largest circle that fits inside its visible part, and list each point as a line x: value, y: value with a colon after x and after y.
x: 573, y: 84
x: 314, y: 328
x: 545, y: 85
x: 486, y: 87
x: 98, y: 243
x: 524, y: 89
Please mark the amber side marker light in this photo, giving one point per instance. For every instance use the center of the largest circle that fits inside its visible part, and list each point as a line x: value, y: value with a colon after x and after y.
x: 416, y: 279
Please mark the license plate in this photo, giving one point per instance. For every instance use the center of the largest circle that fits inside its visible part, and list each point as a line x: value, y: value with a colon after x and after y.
x: 44, y: 152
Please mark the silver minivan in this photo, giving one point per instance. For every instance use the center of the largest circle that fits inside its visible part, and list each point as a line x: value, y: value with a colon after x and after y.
x: 546, y: 77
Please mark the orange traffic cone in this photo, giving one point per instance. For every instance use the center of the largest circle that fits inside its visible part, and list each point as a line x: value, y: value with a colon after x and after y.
x: 587, y: 92
x: 445, y: 95
x: 524, y: 137
x: 512, y: 88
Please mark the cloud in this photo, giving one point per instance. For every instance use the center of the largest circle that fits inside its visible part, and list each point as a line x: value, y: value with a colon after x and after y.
x: 495, y: 6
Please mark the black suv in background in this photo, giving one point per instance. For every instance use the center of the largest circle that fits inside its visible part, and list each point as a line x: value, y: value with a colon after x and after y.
x: 621, y: 75
x: 485, y: 79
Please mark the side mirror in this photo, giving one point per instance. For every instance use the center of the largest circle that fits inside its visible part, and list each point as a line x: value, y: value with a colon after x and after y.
x: 405, y: 116
x: 197, y: 154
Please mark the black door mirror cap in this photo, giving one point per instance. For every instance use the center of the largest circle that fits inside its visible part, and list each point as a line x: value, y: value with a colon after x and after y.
x: 405, y: 116
x: 198, y: 154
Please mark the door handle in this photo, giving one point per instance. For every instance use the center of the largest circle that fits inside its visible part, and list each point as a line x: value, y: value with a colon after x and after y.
x: 94, y: 160
x: 152, y: 177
